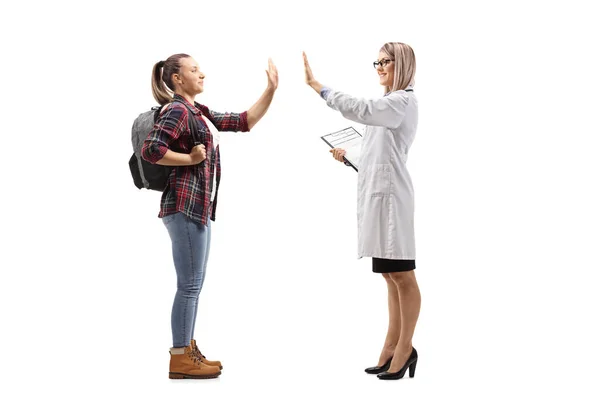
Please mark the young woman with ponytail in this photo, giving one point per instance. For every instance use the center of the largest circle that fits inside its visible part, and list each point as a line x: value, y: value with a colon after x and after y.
x: 188, y: 203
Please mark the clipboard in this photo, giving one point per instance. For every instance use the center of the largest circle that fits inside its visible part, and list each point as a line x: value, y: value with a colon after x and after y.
x: 348, y: 139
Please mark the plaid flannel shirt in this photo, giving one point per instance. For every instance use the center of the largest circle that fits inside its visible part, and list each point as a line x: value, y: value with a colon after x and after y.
x: 189, y: 187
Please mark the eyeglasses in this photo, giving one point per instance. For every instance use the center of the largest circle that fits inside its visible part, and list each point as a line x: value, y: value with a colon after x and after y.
x: 383, y: 62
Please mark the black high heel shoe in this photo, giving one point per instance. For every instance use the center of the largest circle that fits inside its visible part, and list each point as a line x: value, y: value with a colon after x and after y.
x: 376, y: 370
x: 411, y: 365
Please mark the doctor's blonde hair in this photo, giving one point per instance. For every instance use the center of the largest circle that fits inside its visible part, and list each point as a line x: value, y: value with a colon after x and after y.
x: 405, y: 65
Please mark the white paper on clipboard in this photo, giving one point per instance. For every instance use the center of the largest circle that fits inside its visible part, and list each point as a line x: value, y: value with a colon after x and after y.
x: 348, y: 139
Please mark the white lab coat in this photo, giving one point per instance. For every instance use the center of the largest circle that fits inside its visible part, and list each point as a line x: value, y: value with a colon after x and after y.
x: 385, y: 192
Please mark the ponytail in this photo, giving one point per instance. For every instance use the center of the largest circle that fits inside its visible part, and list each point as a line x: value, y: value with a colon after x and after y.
x: 159, y: 89
x: 162, y: 83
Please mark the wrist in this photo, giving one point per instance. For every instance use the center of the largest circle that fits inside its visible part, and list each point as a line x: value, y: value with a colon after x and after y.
x: 316, y: 86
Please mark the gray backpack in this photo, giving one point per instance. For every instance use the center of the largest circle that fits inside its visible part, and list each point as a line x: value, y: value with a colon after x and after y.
x: 145, y: 174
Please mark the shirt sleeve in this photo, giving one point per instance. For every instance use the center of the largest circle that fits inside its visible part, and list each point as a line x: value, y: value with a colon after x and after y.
x: 387, y: 111
x: 229, y: 122
x: 324, y: 92
x: 168, y: 128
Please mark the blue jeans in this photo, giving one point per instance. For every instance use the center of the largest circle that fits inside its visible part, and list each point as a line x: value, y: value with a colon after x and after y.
x: 191, y: 244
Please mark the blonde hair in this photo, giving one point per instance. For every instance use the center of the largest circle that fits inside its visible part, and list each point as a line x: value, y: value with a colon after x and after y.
x: 162, y: 78
x: 404, y: 65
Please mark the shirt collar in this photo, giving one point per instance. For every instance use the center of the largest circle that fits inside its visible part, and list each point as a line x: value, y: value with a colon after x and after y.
x: 409, y: 87
x: 194, y: 107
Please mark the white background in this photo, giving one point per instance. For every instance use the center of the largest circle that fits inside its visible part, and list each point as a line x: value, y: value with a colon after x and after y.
x: 504, y: 165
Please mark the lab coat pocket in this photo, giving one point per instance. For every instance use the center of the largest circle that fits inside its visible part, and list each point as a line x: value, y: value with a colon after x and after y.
x: 378, y: 181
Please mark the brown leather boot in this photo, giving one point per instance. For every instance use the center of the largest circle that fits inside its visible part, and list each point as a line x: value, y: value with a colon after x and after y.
x: 186, y: 365
x: 202, y: 358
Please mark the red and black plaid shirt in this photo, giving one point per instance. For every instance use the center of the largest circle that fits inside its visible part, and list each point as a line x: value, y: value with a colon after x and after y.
x: 189, y: 187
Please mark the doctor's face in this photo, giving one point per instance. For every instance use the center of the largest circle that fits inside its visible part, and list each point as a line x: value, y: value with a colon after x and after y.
x: 385, y: 69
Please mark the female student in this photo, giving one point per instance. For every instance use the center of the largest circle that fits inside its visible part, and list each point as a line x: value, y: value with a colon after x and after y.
x: 189, y: 201
x: 385, y: 195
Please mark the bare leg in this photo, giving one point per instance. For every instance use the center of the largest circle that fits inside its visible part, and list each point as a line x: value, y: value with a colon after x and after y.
x: 410, y: 306
x: 393, y: 333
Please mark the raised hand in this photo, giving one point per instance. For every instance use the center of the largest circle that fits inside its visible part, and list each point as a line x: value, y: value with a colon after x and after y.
x: 307, y: 70
x: 272, y: 75
x: 309, y: 77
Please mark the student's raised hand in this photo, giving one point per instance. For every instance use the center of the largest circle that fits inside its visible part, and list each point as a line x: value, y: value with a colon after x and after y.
x: 338, y: 154
x: 198, y: 154
x: 272, y: 75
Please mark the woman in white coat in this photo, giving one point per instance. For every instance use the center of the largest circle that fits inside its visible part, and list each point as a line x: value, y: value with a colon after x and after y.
x: 385, y: 195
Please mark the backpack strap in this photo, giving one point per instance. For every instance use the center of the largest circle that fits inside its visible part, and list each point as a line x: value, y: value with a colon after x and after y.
x: 192, y: 124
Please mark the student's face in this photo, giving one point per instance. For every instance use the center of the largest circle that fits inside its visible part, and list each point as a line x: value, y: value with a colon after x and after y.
x: 386, y: 73
x: 190, y: 78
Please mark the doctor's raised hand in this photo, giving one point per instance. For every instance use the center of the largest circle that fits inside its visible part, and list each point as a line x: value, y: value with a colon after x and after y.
x: 338, y: 153
x: 385, y: 200
x: 310, y: 79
